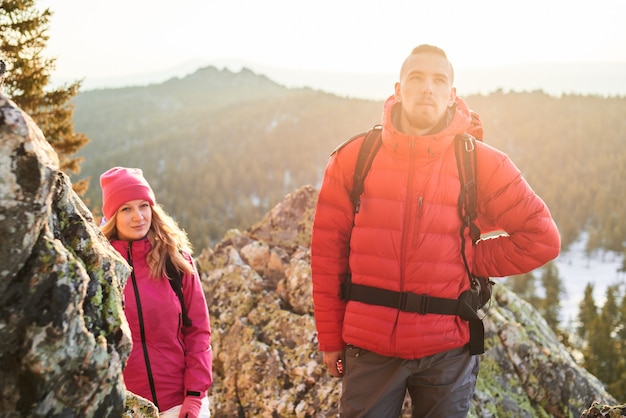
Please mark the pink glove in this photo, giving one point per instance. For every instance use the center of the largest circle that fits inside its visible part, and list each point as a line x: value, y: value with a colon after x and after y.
x: 191, y: 407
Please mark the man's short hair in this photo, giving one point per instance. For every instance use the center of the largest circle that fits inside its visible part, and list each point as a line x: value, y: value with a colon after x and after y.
x: 431, y: 49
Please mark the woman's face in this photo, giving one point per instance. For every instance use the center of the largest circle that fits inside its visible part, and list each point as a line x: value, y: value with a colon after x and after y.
x: 133, y: 220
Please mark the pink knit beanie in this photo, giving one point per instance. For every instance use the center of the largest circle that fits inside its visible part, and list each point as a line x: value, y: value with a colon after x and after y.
x: 120, y: 185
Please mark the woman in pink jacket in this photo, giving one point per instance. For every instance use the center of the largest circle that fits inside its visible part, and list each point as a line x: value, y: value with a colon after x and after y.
x: 404, y: 245
x: 170, y: 361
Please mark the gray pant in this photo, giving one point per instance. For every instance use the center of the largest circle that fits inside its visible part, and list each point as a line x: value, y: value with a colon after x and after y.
x: 440, y: 385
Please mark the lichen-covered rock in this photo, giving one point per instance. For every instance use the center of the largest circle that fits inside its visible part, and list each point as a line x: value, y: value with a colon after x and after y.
x: 28, y: 165
x: 266, y: 361
x: 63, y: 335
x: 526, y: 371
x: 64, y: 338
x: 288, y: 224
x: 597, y: 410
x: 137, y: 407
x: 298, y: 297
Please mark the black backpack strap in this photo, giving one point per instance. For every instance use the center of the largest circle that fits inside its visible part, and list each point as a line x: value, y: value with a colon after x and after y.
x: 465, y: 149
x: 463, y: 307
x: 176, y: 281
x: 467, y: 305
x: 370, y: 146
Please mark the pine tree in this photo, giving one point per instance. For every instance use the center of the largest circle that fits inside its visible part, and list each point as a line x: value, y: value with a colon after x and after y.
x: 524, y: 286
x: 23, y: 38
x: 603, y: 356
x: 621, y: 332
x: 618, y: 388
x: 550, y: 305
x: 587, y: 313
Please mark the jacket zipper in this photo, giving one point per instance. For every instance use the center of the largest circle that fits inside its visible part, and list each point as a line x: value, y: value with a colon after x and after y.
x: 407, y: 216
x: 142, y: 330
x: 418, y: 220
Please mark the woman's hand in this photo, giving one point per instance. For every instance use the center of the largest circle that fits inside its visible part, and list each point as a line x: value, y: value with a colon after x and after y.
x: 191, y: 407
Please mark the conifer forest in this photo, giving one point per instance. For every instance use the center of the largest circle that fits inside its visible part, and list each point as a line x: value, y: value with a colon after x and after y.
x: 220, y: 149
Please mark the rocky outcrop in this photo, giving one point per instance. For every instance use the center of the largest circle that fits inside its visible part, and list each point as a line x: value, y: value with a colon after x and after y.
x: 598, y: 410
x: 63, y: 336
x: 266, y: 361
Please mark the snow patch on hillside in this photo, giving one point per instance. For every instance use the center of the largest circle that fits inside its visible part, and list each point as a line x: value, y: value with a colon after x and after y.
x: 577, y: 269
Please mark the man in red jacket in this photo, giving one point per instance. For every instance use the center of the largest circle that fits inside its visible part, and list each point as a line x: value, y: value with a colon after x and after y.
x: 405, y: 240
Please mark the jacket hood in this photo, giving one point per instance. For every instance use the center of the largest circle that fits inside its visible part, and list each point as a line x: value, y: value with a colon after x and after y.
x: 434, y: 144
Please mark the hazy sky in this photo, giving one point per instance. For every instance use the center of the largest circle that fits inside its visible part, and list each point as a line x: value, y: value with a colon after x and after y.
x: 114, y: 38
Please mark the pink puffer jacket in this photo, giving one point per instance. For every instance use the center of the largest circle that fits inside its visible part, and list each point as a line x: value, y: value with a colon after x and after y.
x: 406, y: 237
x: 180, y: 359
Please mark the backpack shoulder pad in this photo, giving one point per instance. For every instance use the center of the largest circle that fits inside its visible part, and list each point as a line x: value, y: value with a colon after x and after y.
x: 355, y: 137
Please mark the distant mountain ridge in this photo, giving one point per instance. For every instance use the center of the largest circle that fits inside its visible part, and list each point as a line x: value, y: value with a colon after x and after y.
x: 601, y: 78
x: 221, y: 147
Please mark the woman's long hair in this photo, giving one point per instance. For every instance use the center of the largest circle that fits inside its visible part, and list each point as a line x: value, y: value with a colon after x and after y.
x: 166, y: 238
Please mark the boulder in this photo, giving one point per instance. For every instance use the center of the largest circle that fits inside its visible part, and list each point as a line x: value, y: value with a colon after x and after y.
x: 266, y: 361
x: 63, y: 335
x: 64, y: 339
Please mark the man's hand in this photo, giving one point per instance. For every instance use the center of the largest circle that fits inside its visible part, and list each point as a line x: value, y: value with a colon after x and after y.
x: 332, y: 360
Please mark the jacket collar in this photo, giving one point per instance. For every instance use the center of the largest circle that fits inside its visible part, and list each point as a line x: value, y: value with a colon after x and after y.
x: 139, y: 248
x: 456, y: 122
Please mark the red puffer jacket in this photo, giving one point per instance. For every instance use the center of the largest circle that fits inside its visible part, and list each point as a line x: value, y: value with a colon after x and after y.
x: 406, y: 237
x: 180, y: 358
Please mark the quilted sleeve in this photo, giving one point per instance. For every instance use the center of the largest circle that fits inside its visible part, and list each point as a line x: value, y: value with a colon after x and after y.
x: 330, y: 244
x: 509, y: 204
x: 197, y: 337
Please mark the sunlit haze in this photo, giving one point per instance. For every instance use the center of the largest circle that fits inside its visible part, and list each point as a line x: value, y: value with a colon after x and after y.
x: 348, y: 47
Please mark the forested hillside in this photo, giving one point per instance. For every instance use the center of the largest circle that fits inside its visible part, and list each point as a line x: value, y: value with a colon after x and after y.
x: 572, y: 151
x: 221, y: 148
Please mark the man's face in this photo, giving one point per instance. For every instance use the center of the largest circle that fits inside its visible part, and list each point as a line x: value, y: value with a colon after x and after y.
x: 424, y: 91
